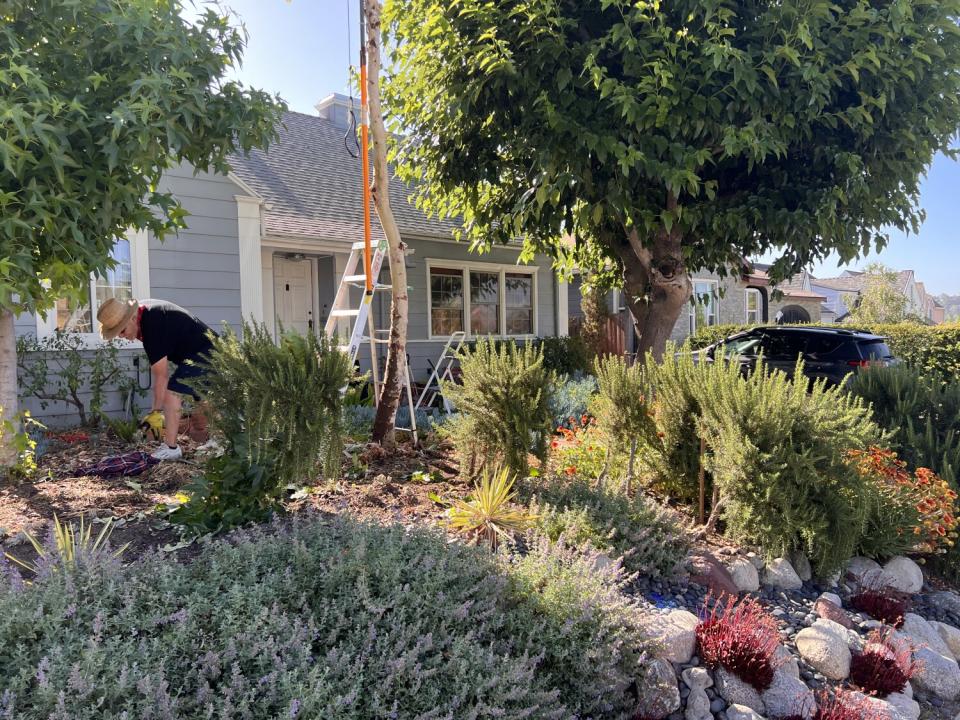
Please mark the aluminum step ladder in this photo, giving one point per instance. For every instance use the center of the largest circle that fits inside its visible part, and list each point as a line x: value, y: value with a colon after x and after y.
x: 442, y: 372
x: 363, y: 329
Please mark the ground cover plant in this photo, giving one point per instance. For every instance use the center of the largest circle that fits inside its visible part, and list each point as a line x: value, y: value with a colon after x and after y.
x: 651, y: 540
x: 740, y: 637
x: 314, y: 619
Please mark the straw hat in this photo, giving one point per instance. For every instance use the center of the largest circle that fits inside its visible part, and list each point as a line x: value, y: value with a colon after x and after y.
x: 114, y: 315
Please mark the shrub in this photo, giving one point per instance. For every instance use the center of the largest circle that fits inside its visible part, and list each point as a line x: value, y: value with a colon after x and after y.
x: 884, y: 666
x: 570, y: 398
x: 565, y: 355
x: 580, y: 450
x: 921, y: 413
x: 741, y: 638
x: 504, y: 405
x: 779, y: 454
x: 650, y: 539
x: 919, y: 510
x: 490, y: 513
x: 881, y: 604
x: 62, y: 368
x: 671, y: 459
x: 623, y: 414
x: 325, y: 620
x: 279, y: 408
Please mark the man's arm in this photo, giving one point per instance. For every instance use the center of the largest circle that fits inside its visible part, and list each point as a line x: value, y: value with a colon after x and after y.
x: 160, y: 374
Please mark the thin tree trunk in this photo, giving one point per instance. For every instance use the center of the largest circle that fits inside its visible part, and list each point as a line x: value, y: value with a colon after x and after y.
x: 385, y: 420
x: 656, y: 285
x: 8, y: 385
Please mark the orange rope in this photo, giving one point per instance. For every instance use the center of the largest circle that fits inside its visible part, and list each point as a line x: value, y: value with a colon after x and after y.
x: 365, y: 157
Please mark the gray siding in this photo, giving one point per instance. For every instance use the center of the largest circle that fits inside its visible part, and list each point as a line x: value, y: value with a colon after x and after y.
x: 199, y: 268
x: 25, y: 324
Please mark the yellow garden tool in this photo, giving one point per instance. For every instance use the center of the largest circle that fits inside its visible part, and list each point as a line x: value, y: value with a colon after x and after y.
x: 152, y: 425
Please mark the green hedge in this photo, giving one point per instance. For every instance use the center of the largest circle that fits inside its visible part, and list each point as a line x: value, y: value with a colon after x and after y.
x: 932, y: 348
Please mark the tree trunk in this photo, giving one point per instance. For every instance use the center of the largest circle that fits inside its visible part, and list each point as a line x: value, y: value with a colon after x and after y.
x: 656, y: 286
x: 8, y: 386
x: 385, y: 420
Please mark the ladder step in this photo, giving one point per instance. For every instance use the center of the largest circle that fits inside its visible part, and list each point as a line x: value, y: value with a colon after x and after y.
x: 349, y: 312
x: 355, y: 278
x: 359, y: 246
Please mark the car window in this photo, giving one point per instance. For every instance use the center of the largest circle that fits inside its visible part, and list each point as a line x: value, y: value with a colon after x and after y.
x: 785, y: 346
x: 823, y: 345
x: 740, y: 346
x: 874, y: 350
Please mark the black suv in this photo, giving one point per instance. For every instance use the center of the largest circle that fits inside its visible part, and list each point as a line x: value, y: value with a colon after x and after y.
x: 831, y: 353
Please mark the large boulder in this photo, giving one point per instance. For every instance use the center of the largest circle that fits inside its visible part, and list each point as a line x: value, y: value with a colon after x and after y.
x: 698, y: 703
x: 825, y: 648
x: 801, y: 565
x: 709, y: 572
x: 736, y: 692
x: 661, y: 695
x: 780, y: 574
x: 922, y: 633
x: 827, y: 609
x: 742, y: 712
x: 785, y: 661
x: 676, y: 633
x: 892, y: 707
x: 904, y: 575
x: 937, y: 671
x: 905, y: 707
x: 744, y: 574
x: 950, y: 636
x: 860, y: 566
x: 788, y: 696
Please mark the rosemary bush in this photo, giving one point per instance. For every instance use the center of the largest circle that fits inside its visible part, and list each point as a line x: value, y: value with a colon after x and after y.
x: 279, y: 409
x: 503, y: 404
x: 324, y: 620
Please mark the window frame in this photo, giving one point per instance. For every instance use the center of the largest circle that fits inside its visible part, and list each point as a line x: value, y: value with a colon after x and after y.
x: 746, y: 306
x: 140, y: 289
x: 715, y: 302
x: 501, y: 269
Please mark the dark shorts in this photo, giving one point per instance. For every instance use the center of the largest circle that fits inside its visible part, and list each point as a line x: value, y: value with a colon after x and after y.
x: 183, y: 380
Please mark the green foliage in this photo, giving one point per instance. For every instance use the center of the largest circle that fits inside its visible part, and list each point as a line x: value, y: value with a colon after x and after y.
x: 565, y: 355
x: 880, y: 301
x: 671, y: 460
x: 503, y: 404
x: 125, y: 430
x: 63, y: 368
x: 570, y: 399
x: 621, y: 407
x: 650, y: 539
x: 490, y: 513
x: 325, y: 620
x: 730, y: 129
x: 21, y: 434
x: 778, y: 451
x: 279, y: 407
x: 920, y: 413
x: 71, y: 545
x: 98, y: 100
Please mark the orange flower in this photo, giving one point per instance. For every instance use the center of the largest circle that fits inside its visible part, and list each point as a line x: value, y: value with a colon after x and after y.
x: 571, y: 470
x: 554, y: 444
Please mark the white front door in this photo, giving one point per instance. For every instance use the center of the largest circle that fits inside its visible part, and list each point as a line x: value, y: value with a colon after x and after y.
x: 293, y: 294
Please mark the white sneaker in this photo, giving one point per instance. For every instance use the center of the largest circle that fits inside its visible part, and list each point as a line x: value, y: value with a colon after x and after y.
x: 165, y: 452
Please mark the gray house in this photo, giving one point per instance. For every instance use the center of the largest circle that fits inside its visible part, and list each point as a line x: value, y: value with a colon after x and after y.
x: 270, y: 241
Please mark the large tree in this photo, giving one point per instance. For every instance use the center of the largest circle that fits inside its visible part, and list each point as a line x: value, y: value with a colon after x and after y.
x: 667, y: 137
x: 97, y: 99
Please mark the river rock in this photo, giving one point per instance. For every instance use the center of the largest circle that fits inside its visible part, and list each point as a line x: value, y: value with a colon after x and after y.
x: 788, y: 696
x: 904, y: 575
x: 825, y: 648
x: 860, y: 566
x: 801, y: 565
x: 698, y: 704
x: 780, y: 574
x: 736, y: 692
x: 676, y: 633
x: 744, y: 574
x: 661, y: 695
x: 742, y: 712
x: 950, y: 636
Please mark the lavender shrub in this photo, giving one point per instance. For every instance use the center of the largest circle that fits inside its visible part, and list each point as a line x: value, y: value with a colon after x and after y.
x: 323, y: 619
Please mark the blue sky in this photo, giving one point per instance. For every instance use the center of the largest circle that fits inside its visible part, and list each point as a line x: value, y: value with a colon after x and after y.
x: 299, y: 49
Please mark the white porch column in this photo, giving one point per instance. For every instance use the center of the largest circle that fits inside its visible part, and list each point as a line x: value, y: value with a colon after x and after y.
x: 251, y: 264
x: 563, y: 308
x: 269, y: 311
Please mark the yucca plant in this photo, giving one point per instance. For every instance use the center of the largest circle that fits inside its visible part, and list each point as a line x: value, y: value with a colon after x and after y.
x: 489, y: 513
x: 70, y: 545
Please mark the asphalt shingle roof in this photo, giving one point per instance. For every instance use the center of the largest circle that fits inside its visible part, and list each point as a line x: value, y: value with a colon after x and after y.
x: 313, y: 186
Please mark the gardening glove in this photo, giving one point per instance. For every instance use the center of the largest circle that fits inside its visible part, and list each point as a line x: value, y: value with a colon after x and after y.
x: 152, y: 424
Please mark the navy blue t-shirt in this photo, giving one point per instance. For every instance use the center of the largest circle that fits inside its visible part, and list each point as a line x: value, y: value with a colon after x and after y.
x: 169, y: 331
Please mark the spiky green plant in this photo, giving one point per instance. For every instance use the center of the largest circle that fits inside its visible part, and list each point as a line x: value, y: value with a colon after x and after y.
x: 70, y: 544
x: 504, y: 404
x: 490, y: 513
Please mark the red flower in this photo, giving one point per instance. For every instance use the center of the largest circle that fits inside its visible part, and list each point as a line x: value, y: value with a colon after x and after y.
x: 571, y: 470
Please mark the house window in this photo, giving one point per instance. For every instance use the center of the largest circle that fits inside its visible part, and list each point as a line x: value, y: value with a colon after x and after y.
x: 117, y: 283
x: 703, y: 308
x: 501, y: 299
x: 519, y: 303
x: 446, y: 300
x: 752, y: 298
x: 484, y: 303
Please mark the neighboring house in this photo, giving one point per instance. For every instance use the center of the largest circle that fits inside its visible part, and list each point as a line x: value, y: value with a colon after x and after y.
x: 842, y: 292
x: 270, y: 242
